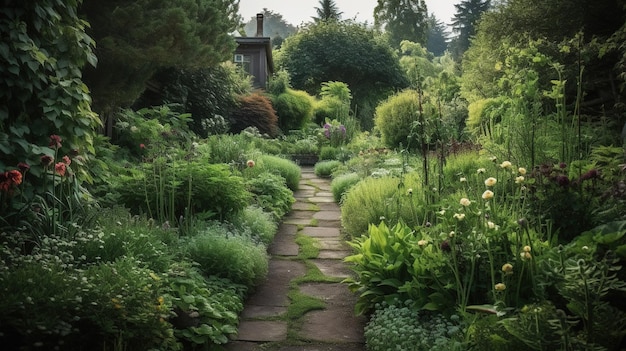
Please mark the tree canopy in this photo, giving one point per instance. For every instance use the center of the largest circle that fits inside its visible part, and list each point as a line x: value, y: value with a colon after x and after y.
x: 136, y: 38
x: 274, y: 26
x: 346, y: 52
x: 468, y: 13
x: 402, y: 20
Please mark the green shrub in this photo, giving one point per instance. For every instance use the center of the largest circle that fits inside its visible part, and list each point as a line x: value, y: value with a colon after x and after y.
x: 328, y: 153
x: 228, y: 148
x: 168, y: 191
x: 326, y: 168
x: 228, y: 255
x: 259, y: 223
x: 398, y: 327
x: 396, y: 117
x: 270, y: 193
x: 255, y: 110
x: 206, y: 309
x: 277, y: 165
x: 342, y: 184
x: 374, y: 199
x: 294, y: 109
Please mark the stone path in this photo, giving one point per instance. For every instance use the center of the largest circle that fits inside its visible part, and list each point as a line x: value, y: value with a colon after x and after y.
x: 264, y: 323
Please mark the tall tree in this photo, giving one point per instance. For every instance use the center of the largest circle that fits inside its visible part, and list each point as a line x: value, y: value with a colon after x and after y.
x: 327, y: 11
x: 437, y: 41
x: 402, y: 20
x: 468, y: 13
x: 135, y: 38
x: 346, y: 52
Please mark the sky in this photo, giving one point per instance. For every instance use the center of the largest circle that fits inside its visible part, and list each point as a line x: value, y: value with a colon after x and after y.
x: 297, y: 12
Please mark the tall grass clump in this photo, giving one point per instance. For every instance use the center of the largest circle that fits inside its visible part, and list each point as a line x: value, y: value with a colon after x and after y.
x: 342, y: 183
x: 227, y: 254
x: 277, y: 165
x: 373, y: 200
x: 257, y: 222
x: 326, y: 168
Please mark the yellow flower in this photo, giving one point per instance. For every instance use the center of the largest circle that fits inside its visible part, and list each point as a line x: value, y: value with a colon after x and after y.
x: 522, y: 170
x: 491, y: 225
x: 465, y: 202
x: 526, y: 255
x: 526, y: 248
x: 506, y: 164
x: 481, y: 170
x: 409, y: 191
x: 488, y: 194
x: 500, y: 287
x: 422, y: 242
x: 459, y: 216
x: 519, y: 180
x: 491, y: 181
x: 463, y: 179
x: 507, y: 268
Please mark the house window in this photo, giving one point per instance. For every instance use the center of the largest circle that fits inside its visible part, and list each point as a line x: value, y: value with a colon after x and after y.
x: 244, y: 62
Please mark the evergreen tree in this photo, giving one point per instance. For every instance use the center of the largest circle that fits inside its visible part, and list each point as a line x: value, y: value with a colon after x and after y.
x: 327, y: 11
x: 274, y: 26
x: 468, y: 13
x: 437, y: 41
x: 402, y: 20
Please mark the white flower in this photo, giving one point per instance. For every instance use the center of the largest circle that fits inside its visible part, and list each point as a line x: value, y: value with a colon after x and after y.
x: 422, y: 242
x: 465, y: 202
x: 519, y: 180
x: 491, y: 181
x: 459, y: 216
x: 506, y: 164
x: 488, y: 194
x: 463, y: 179
x: 522, y: 170
x: 481, y: 170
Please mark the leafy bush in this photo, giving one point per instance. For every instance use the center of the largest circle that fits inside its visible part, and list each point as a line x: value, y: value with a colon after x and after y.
x: 287, y: 169
x: 375, y: 199
x: 397, y: 327
x: 326, y: 168
x: 228, y: 148
x: 228, y: 255
x: 397, y: 119
x: 328, y: 153
x: 255, y: 110
x: 253, y: 219
x: 342, y: 184
x: 270, y: 193
x: 294, y: 109
x: 206, y: 309
x: 168, y: 191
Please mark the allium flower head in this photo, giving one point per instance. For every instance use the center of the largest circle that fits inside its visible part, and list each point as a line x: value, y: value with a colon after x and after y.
x: 491, y: 181
x: 465, y: 202
x: 507, y: 268
x: 488, y: 194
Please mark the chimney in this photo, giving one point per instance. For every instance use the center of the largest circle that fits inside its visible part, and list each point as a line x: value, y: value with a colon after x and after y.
x: 259, y: 24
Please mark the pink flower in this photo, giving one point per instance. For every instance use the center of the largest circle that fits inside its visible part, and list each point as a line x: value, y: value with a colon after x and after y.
x: 46, y: 160
x: 23, y: 166
x: 55, y: 141
x: 250, y: 163
x: 60, y: 168
x: 142, y: 146
x: 67, y: 160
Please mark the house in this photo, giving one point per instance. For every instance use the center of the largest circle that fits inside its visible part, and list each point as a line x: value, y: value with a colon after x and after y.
x: 254, y: 54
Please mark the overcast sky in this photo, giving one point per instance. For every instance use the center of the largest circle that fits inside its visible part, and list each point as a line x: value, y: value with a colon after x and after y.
x: 298, y: 11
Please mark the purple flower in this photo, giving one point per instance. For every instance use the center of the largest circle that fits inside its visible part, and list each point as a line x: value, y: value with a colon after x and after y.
x: 562, y: 180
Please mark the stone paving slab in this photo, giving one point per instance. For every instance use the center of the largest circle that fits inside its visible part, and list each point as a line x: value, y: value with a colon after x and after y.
x: 257, y: 312
x: 321, y: 232
x: 333, y: 254
x: 303, y: 206
x: 303, y: 194
x: 321, y: 199
x: 262, y: 331
x: 298, y: 221
x: 335, y: 294
x: 327, y: 215
x: 329, y: 206
x: 332, y: 244
x: 297, y: 214
x: 333, y: 268
x: 338, y: 324
x: 273, y: 292
x: 325, y: 194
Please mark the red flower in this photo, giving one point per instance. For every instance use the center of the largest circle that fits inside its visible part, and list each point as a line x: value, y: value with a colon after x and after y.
x: 60, y: 168
x: 66, y: 160
x: 47, y: 160
x: 55, y: 141
x: 142, y: 146
x: 23, y: 166
x: 14, y: 176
